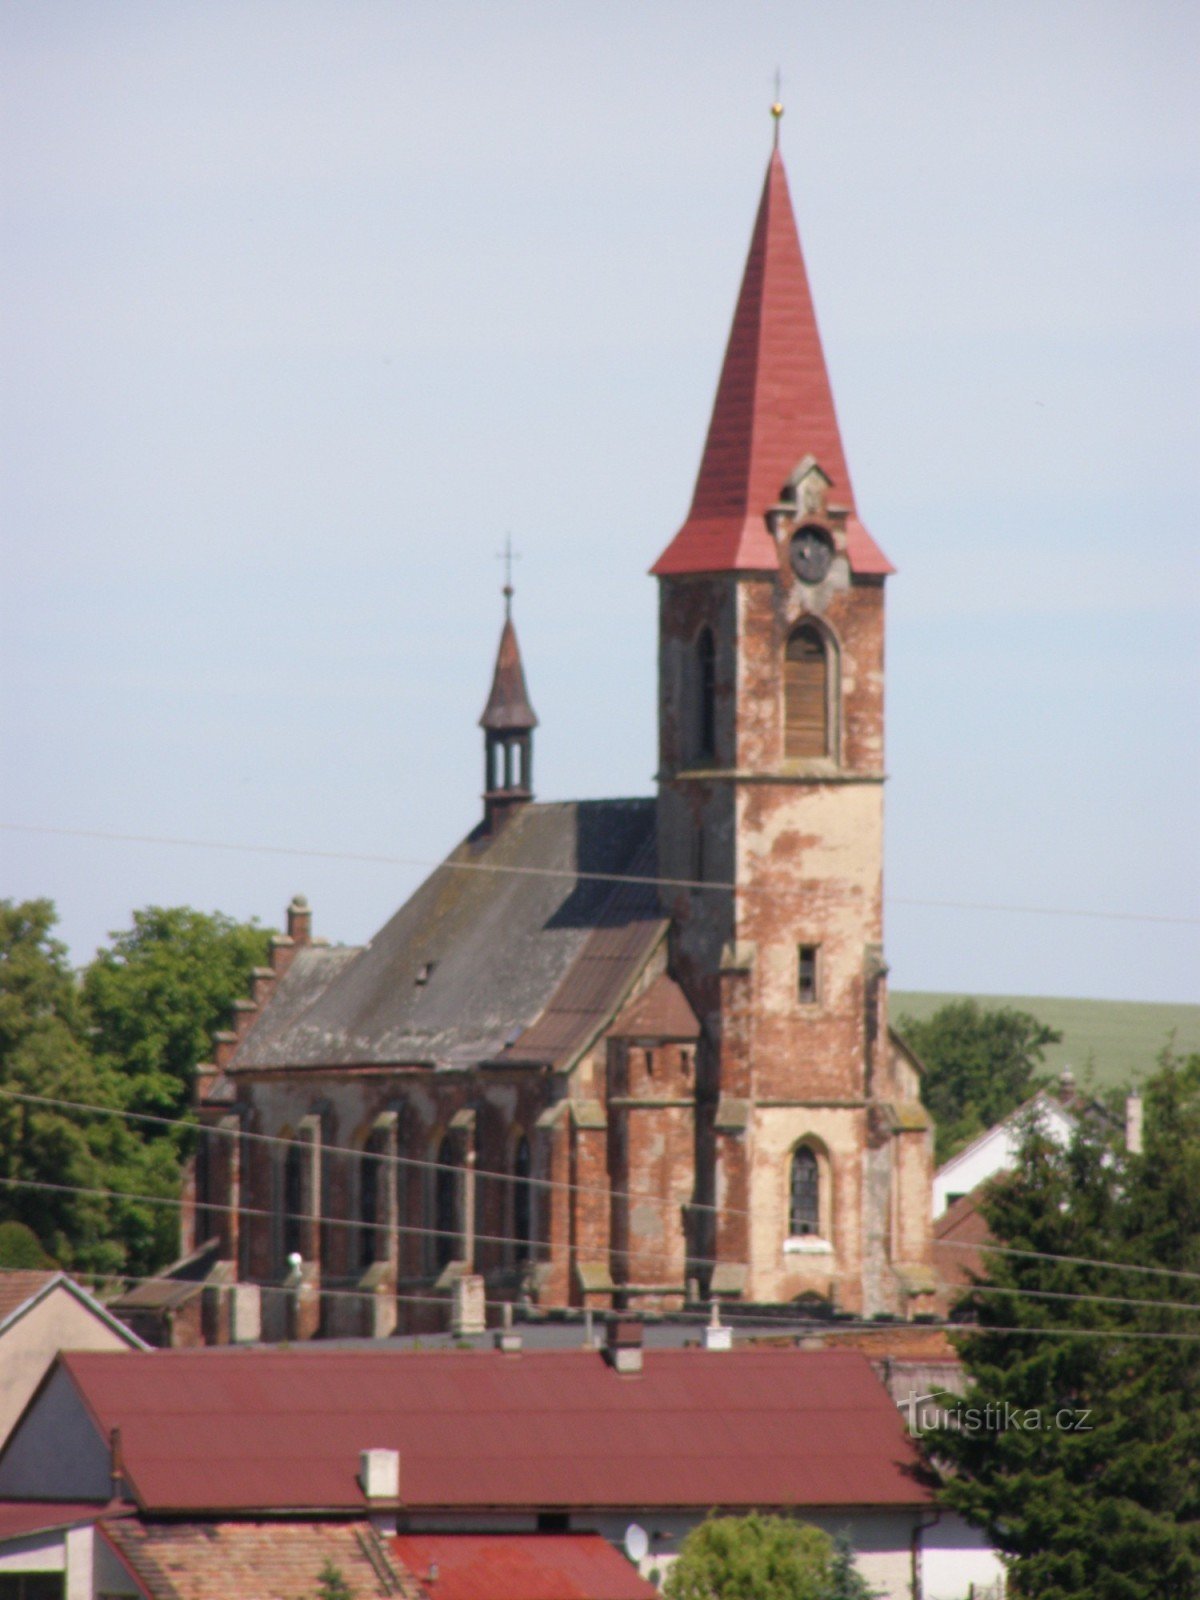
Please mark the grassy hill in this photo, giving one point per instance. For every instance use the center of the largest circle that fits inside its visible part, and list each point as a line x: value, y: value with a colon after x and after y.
x: 1110, y: 1043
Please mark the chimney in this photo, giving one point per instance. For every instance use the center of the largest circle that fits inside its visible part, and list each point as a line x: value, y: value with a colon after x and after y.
x: 1133, y: 1123
x: 299, y: 921
x: 506, y: 1337
x: 624, y: 1349
x: 717, y: 1336
x: 379, y: 1477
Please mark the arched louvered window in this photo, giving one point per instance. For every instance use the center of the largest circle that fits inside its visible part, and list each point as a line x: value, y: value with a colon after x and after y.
x: 706, y: 694
x: 445, y: 1205
x: 804, y: 1211
x: 806, y: 694
x: 522, y: 1202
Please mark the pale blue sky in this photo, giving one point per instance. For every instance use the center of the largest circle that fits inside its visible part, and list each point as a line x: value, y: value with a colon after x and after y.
x: 307, y: 305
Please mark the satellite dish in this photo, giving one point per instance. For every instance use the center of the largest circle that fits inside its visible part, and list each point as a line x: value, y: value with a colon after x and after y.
x: 637, y: 1542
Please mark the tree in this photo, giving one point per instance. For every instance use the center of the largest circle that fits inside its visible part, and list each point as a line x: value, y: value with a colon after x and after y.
x: 57, y: 1163
x: 763, y: 1558
x: 1086, y: 1471
x: 157, y: 994
x: 333, y: 1585
x: 980, y: 1064
x: 21, y: 1248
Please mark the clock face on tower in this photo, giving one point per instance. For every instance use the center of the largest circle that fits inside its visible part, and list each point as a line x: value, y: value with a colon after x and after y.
x: 811, y: 553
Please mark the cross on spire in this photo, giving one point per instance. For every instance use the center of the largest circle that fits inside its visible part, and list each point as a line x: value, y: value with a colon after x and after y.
x: 508, y: 555
x: 777, y: 105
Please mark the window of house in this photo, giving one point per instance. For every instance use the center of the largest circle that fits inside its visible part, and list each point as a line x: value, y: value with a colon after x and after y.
x: 807, y: 974
x: 706, y: 695
x: 804, y: 1212
x: 805, y: 694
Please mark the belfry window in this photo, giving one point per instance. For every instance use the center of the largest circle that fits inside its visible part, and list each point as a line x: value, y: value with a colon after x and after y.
x: 706, y: 695
x: 804, y: 1211
x: 805, y: 694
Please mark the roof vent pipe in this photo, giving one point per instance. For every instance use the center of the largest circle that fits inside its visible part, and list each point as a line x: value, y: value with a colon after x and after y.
x: 717, y: 1336
x: 506, y: 1337
x: 624, y: 1349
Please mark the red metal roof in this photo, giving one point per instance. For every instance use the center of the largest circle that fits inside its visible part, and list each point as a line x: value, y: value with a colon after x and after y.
x: 21, y: 1517
x: 282, y: 1429
x: 522, y: 1566
x: 774, y: 406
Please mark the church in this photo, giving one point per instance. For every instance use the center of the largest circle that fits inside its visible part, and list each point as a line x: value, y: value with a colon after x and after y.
x: 622, y: 1054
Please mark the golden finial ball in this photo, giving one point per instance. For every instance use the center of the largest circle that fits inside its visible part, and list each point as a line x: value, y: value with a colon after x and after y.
x: 777, y: 110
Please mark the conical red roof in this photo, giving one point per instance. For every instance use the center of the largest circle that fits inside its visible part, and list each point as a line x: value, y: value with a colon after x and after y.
x: 774, y: 406
x: 508, y: 708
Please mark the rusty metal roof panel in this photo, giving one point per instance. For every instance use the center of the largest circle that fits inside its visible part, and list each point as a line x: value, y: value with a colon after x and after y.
x: 281, y: 1430
x: 476, y: 954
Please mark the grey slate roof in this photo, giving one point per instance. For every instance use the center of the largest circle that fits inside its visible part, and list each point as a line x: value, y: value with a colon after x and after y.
x: 520, y: 965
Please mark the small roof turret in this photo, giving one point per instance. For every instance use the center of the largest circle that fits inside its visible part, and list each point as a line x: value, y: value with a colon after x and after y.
x: 508, y: 709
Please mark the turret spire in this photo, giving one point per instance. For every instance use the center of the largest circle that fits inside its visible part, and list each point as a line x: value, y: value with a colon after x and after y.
x: 508, y: 721
x: 774, y: 406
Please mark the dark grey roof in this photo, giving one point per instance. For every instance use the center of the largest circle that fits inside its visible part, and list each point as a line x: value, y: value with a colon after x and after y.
x: 490, y: 942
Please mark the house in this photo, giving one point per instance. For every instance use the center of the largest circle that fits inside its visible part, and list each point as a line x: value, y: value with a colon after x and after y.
x: 42, y: 1313
x: 622, y: 1053
x: 995, y: 1150
x: 449, y: 1459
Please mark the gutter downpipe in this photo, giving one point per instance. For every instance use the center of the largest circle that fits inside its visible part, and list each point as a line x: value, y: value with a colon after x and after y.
x: 918, y: 1585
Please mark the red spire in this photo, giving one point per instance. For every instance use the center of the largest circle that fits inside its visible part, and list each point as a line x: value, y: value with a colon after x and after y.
x: 774, y: 406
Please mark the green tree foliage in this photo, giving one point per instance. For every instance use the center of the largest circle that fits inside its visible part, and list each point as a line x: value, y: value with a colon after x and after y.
x: 127, y: 1038
x: 980, y: 1064
x: 157, y: 994
x: 763, y: 1558
x: 333, y: 1585
x: 1086, y: 1473
x: 21, y: 1248
x: 44, y: 1052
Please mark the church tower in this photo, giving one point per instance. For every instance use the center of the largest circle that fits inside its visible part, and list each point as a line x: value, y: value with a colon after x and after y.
x: 812, y: 1149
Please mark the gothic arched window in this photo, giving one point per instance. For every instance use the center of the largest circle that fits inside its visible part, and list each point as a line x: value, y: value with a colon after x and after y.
x: 804, y: 1209
x: 293, y: 1197
x: 805, y: 694
x: 706, y: 695
x: 369, y: 1197
x: 522, y: 1202
x: 445, y: 1205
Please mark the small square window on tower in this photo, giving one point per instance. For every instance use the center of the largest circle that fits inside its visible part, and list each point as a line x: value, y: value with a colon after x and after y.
x: 807, y: 974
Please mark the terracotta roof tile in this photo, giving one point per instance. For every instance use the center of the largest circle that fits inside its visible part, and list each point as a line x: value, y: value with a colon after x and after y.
x: 255, y: 1560
x: 662, y: 1012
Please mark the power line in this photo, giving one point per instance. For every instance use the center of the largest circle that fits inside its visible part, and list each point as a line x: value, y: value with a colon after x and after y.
x: 570, y: 874
x: 1102, y: 1299
x: 1080, y: 1261
x: 550, y: 1183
